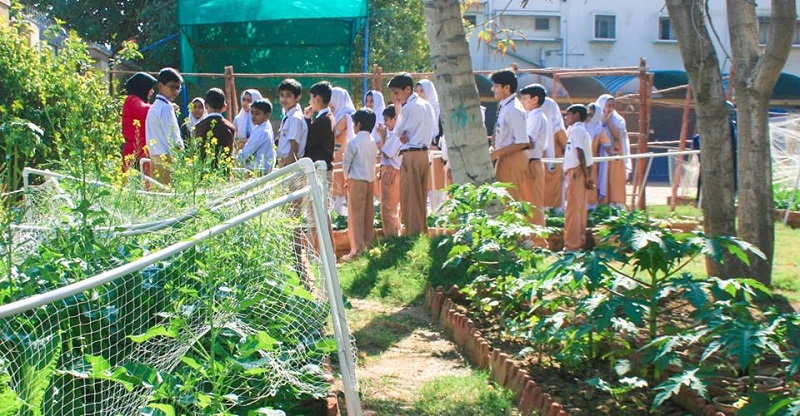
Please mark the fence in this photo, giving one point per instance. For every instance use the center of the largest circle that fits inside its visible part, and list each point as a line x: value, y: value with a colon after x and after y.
x: 217, y: 307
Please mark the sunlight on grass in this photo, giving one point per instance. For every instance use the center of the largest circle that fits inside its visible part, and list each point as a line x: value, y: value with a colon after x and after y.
x: 463, y: 396
x: 681, y: 211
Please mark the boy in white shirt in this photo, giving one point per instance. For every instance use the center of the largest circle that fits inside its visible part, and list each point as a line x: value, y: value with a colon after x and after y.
x: 162, y: 130
x: 389, y: 147
x: 538, y: 128
x: 578, y: 172
x: 358, y: 166
x: 294, y: 132
x: 259, y: 145
x: 510, y: 138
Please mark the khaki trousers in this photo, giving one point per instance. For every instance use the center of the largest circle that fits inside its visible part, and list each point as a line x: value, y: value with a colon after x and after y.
x: 360, y: 214
x: 390, y: 200
x: 514, y: 169
x: 414, y: 176
x: 535, y: 197
x: 575, y: 215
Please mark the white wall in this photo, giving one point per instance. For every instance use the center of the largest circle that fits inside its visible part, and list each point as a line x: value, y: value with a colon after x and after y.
x: 637, y: 34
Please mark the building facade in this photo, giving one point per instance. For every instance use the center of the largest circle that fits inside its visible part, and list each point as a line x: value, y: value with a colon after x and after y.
x: 597, y: 34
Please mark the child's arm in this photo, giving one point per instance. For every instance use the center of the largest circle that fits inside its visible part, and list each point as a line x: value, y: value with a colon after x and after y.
x: 347, y: 160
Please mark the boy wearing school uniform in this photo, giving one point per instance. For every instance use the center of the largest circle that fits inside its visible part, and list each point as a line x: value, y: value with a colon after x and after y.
x: 162, y: 130
x: 293, y: 132
x: 577, y: 169
x: 415, y: 128
x: 511, y: 138
x: 538, y: 128
x: 358, y: 167
x: 258, y: 154
x: 389, y: 147
x: 554, y: 175
x: 215, y: 133
x: 320, y: 141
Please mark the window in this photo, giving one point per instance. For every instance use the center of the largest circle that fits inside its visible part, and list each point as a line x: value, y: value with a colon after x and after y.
x: 542, y: 24
x: 763, y: 31
x: 471, y: 19
x: 605, y: 27
x: 665, y: 29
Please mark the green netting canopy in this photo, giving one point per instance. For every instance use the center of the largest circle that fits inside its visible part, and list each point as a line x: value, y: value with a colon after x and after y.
x: 269, y: 36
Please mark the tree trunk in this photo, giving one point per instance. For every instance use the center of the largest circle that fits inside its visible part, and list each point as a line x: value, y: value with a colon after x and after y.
x: 755, y: 75
x: 458, y: 95
x: 688, y: 19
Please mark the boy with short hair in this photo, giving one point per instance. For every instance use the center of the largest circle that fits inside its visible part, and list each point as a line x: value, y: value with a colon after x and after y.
x: 320, y: 143
x: 358, y: 166
x: 259, y: 145
x: 389, y: 147
x: 215, y: 131
x: 511, y: 138
x: 577, y: 169
x: 162, y: 130
x: 415, y: 128
x: 293, y: 133
x: 538, y: 128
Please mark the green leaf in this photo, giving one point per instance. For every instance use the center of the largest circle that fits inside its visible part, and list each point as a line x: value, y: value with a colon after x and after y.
x: 156, y: 331
x: 155, y: 408
x: 261, y: 341
x: 673, y: 385
x: 39, y: 359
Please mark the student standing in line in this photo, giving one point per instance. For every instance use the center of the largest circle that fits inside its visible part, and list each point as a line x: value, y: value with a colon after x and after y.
x: 554, y: 175
x: 538, y: 128
x: 294, y: 131
x: 215, y: 133
x: 618, y: 133
x: 601, y: 146
x: 242, y: 121
x: 197, y: 112
x: 389, y: 146
x: 343, y: 109
x: 319, y: 145
x: 414, y: 128
x: 373, y: 100
x: 511, y: 137
x: 358, y: 166
x: 258, y: 154
x: 427, y: 91
x: 134, y: 113
x: 577, y: 169
x: 161, y: 127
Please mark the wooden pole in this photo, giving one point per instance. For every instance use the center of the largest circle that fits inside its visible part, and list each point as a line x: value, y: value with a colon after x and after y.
x: 681, y: 146
x: 644, y: 131
x: 377, y: 77
x: 230, y: 93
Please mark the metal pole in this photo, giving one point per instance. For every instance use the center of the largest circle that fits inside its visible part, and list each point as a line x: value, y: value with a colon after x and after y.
x: 366, y: 53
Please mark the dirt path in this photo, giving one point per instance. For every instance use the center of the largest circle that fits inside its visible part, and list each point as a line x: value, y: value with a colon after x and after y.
x: 399, y: 350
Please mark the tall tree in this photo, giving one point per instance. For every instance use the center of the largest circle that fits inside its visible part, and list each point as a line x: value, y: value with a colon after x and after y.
x: 458, y: 94
x: 397, y: 40
x: 756, y: 71
x: 112, y: 22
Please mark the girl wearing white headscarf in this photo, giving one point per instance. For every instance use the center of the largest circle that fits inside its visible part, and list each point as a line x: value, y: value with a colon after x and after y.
x: 601, y: 146
x: 197, y: 112
x: 427, y: 91
x: 617, y: 131
x: 244, y: 125
x: 373, y: 100
x: 342, y: 107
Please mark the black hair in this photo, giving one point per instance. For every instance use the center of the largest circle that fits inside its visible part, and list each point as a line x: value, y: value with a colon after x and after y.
x: 169, y: 75
x: 578, y: 109
x: 215, y: 99
x: 535, y: 90
x: 291, y: 85
x: 505, y: 77
x: 323, y: 90
x: 389, y: 111
x: 402, y: 80
x: 140, y: 84
x: 365, y: 119
x: 263, y: 105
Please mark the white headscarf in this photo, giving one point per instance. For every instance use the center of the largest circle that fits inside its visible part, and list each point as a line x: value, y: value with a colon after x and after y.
x: 619, y: 122
x: 343, y: 107
x: 243, y: 118
x: 378, y: 105
x: 192, y: 119
x: 594, y: 125
x: 431, y: 96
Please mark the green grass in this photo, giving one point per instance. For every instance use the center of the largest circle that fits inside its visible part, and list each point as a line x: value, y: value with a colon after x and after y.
x: 463, y: 396
x: 681, y: 211
x: 382, y: 330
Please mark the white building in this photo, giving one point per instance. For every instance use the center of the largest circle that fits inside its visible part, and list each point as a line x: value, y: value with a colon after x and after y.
x: 597, y: 34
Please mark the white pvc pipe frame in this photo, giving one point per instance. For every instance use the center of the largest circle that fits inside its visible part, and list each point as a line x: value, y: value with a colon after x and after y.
x: 327, y: 258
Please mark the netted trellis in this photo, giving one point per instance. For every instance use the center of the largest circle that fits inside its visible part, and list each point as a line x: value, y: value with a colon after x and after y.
x: 214, y: 304
x: 784, y: 134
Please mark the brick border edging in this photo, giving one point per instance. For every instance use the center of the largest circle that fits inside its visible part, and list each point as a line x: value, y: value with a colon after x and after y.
x: 508, y: 372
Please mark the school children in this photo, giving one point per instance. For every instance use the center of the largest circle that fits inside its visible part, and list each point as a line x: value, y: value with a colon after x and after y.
x: 511, y: 137
x: 161, y: 126
x: 358, y: 166
x: 215, y: 133
x: 538, y: 128
x: 244, y: 124
x: 389, y: 146
x: 197, y: 112
x: 577, y: 169
x: 294, y: 131
x: 617, y: 131
x: 258, y: 154
x: 414, y: 128
x: 319, y: 145
x: 554, y: 174
x: 343, y: 108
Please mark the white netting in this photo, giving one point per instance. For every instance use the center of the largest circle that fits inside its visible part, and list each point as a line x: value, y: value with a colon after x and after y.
x: 206, y: 305
x: 690, y: 172
x: 784, y: 134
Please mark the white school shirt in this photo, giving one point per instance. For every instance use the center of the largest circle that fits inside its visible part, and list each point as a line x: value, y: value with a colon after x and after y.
x: 243, y: 124
x: 358, y: 161
x: 416, y: 123
x: 538, y: 131
x: 293, y: 128
x: 260, y: 146
x: 577, y: 138
x: 553, y: 114
x: 511, y: 123
x: 161, y: 128
x: 390, y: 152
